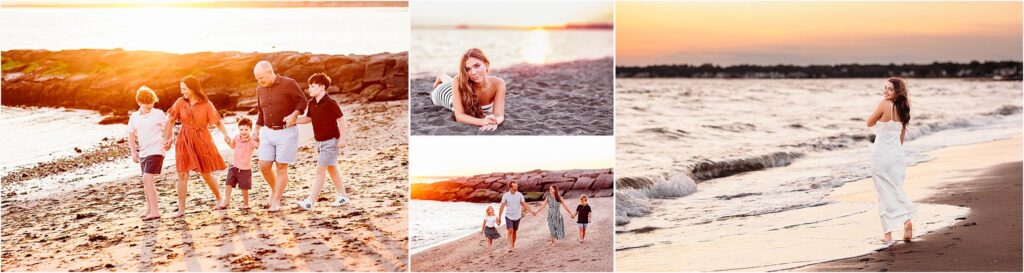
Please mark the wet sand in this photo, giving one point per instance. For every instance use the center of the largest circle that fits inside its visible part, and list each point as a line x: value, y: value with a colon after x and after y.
x: 571, y: 98
x: 97, y: 227
x: 531, y: 252
x: 845, y: 225
x: 987, y: 239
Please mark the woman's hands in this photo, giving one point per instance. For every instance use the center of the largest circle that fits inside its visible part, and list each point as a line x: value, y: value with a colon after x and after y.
x: 492, y: 122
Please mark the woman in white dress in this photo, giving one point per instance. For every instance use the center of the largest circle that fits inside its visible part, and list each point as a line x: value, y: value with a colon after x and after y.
x: 890, y: 120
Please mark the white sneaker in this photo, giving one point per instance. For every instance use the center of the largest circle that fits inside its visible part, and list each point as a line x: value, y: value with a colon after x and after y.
x: 342, y: 199
x: 305, y: 204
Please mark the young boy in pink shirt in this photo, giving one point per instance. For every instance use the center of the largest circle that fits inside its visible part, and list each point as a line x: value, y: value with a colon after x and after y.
x: 145, y: 141
x: 240, y: 173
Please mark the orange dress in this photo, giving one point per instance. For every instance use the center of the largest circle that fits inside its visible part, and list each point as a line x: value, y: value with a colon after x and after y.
x: 194, y: 150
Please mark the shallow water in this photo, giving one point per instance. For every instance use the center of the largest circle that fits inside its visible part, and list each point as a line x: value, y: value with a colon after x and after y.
x: 670, y: 126
x: 33, y: 135
x: 764, y: 153
x: 433, y: 223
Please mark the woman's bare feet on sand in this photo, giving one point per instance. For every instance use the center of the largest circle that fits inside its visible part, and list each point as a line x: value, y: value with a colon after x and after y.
x: 887, y: 238
x: 908, y: 231
x: 151, y: 217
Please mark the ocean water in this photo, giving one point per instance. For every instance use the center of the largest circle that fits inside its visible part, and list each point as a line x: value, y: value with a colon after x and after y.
x: 437, y: 50
x: 32, y: 135
x: 432, y: 223
x: 749, y: 160
x: 707, y: 128
x: 187, y: 30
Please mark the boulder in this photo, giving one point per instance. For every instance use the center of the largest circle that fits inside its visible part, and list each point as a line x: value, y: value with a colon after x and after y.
x: 603, y: 181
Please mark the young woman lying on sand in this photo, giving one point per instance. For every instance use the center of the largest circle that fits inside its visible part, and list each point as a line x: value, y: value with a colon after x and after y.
x: 481, y: 98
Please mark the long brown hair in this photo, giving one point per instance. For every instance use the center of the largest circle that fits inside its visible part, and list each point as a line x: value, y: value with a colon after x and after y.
x: 197, y: 89
x: 466, y: 91
x: 558, y: 196
x: 901, y: 101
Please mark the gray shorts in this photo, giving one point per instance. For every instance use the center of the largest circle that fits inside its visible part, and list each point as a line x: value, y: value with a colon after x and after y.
x: 327, y: 152
x: 281, y: 146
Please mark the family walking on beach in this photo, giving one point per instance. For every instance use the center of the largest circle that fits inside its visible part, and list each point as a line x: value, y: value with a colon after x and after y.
x: 516, y: 204
x: 474, y: 97
x: 275, y: 139
x: 890, y: 119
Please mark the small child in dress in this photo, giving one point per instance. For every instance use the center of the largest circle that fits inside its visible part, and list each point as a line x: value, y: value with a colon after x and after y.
x: 145, y: 141
x: 240, y: 173
x: 583, y: 211
x: 490, y: 228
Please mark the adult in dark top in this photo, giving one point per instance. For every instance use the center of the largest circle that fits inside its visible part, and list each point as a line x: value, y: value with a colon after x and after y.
x: 280, y: 101
x: 583, y: 211
x: 329, y: 131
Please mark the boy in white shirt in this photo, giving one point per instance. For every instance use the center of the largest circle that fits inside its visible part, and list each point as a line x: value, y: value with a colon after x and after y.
x: 145, y: 140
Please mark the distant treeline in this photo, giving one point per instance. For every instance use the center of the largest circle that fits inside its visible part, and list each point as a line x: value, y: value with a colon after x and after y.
x: 1004, y: 70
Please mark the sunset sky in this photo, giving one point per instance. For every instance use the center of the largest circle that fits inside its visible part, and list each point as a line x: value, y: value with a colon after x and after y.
x: 816, y: 33
x: 470, y: 155
x: 509, y: 13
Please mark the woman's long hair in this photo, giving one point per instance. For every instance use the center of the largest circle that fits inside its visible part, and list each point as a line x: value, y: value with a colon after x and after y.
x: 901, y: 100
x: 197, y: 89
x: 466, y: 91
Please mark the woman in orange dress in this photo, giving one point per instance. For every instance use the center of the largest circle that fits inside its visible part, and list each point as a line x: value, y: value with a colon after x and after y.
x: 195, y: 150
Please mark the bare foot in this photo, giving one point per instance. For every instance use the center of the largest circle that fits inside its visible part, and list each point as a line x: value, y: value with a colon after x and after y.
x: 274, y: 209
x: 245, y: 207
x: 221, y: 206
x: 151, y: 217
x: 179, y: 215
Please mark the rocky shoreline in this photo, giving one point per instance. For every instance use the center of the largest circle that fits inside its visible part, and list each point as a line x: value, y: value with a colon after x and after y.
x: 484, y: 188
x: 105, y: 80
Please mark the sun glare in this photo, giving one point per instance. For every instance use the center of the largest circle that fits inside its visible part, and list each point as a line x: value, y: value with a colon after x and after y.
x: 537, y: 47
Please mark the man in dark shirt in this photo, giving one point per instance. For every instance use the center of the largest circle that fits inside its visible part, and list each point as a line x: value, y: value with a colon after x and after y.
x: 279, y: 102
x: 329, y: 131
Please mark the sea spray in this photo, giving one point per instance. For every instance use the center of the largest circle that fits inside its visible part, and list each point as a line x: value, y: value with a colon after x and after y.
x: 635, y: 202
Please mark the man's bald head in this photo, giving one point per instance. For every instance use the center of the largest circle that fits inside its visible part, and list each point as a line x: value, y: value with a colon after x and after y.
x: 264, y: 73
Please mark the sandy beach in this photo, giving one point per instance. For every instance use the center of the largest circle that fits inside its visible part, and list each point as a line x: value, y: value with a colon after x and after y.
x: 571, y: 98
x: 532, y: 253
x: 97, y: 227
x: 985, y: 178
